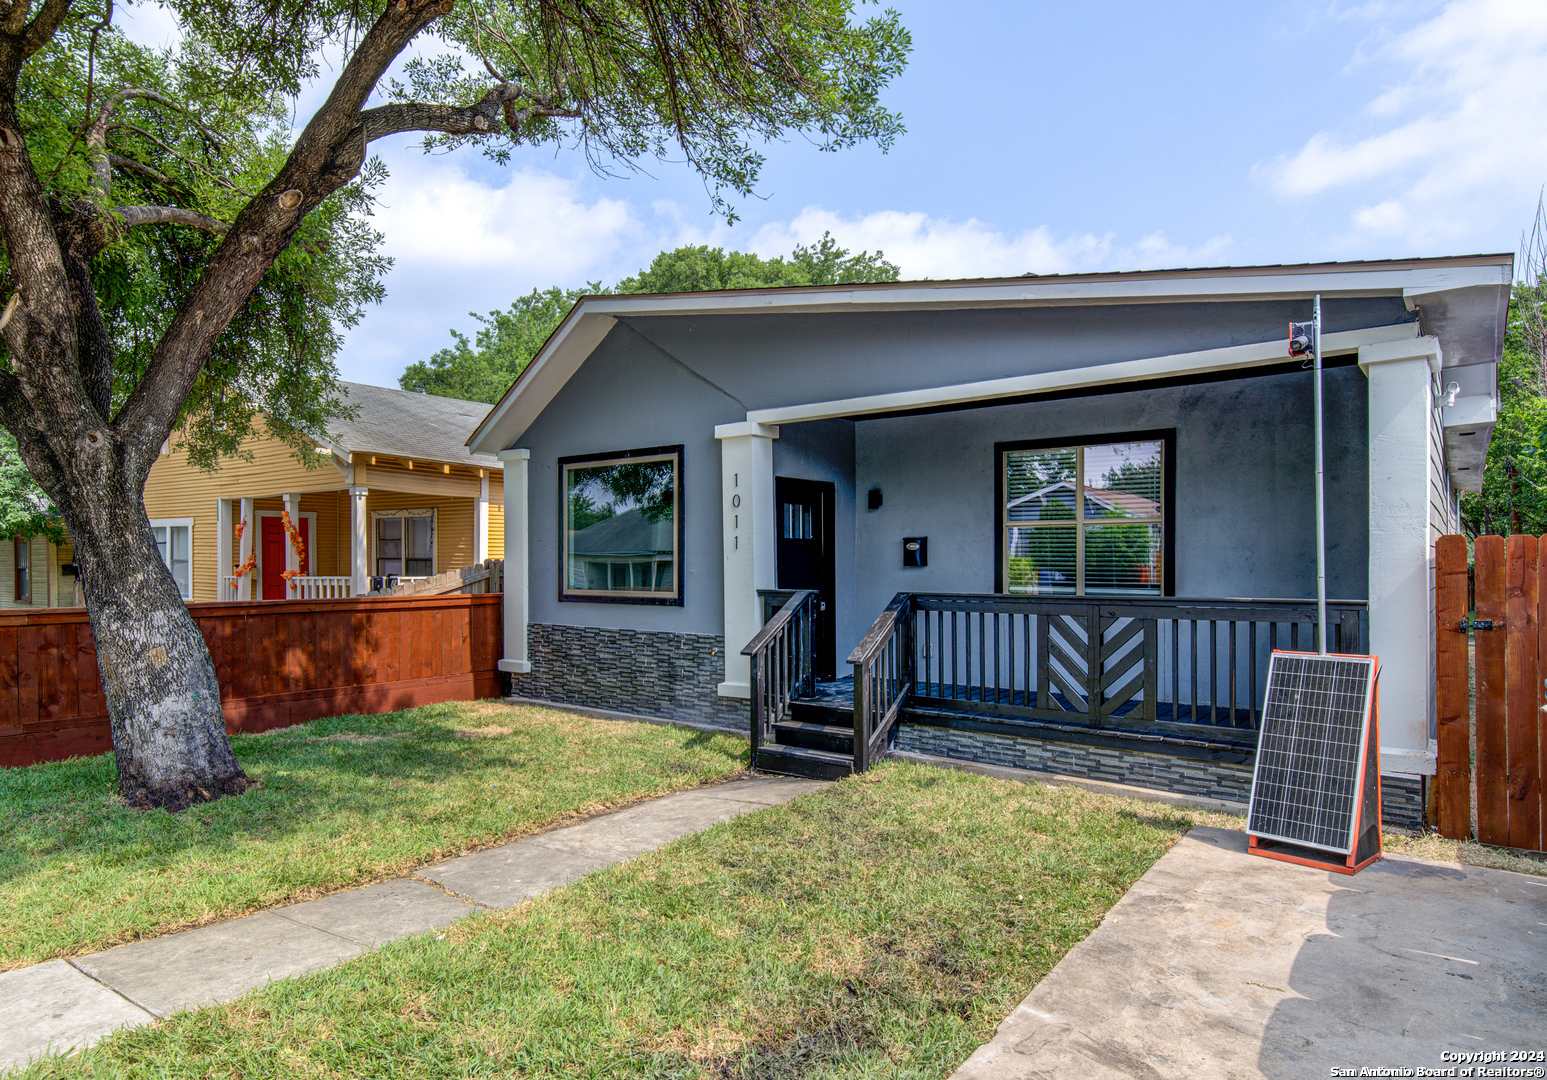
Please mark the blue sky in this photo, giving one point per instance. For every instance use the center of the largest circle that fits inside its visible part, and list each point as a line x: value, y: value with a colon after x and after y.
x: 1044, y: 138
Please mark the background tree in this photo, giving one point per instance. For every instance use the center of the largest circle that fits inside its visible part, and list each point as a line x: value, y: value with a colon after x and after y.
x: 176, y: 259
x: 1514, y: 495
x: 25, y: 511
x: 506, y: 342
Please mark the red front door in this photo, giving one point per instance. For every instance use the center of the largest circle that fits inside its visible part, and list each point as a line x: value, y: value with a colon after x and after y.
x: 275, y: 544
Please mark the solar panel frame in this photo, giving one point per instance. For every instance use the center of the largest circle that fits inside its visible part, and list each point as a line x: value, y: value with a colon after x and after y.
x: 1309, y: 776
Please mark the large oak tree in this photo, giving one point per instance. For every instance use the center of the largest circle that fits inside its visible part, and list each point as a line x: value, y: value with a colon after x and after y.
x: 176, y: 260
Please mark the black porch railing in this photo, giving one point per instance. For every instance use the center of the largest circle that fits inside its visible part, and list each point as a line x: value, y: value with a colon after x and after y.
x: 1110, y: 662
x: 1172, y: 668
x: 781, y: 660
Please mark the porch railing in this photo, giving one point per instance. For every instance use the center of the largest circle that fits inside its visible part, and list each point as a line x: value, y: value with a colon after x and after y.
x: 884, y: 677
x: 1110, y: 662
x: 780, y: 658
x: 312, y: 587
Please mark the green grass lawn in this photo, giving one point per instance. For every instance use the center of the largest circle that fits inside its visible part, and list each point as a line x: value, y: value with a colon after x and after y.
x: 880, y: 927
x: 340, y: 802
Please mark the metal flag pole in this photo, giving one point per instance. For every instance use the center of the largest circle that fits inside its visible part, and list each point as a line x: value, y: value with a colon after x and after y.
x: 1321, y: 507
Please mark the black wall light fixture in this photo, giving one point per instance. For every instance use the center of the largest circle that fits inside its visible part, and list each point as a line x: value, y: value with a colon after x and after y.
x: 875, y: 499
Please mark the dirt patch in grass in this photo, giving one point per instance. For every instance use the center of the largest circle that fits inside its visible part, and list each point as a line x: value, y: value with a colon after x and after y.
x: 348, y: 737
x: 488, y: 731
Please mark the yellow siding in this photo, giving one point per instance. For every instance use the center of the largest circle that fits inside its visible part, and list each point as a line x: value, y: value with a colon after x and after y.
x: 49, y: 587
x: 175, y: 489
x: 496, y: 516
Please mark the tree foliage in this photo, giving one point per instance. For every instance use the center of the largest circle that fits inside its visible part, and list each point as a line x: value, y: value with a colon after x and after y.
x: 1514, y: 495
x: 483, y: 369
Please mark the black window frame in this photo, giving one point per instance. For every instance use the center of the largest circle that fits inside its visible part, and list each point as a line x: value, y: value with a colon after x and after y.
x: 565, y: 596
x: 1165, y: 436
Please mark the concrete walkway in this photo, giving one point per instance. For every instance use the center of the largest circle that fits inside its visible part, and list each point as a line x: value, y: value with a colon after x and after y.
x: 63, y: 1004
x: 1225, y: 965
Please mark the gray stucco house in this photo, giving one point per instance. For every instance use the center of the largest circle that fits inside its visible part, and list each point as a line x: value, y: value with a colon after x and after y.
x: 1085, y: 500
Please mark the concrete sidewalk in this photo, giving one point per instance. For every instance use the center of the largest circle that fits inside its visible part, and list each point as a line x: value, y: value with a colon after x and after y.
x: 63, y: 1004
x: 1221, y: 964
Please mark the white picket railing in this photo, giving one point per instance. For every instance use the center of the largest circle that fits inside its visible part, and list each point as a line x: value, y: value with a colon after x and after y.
x: 318, y: 588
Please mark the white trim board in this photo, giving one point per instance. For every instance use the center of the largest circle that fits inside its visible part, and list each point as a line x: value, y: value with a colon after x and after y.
x: 1257, y: 354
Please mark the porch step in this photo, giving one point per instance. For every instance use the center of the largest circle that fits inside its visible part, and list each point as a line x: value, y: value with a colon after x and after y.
x: 823, y: 711
x: 803, y: 761
x: 833, y: 738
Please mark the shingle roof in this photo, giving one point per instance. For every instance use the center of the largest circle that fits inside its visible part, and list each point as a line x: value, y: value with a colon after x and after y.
x: 404, y: 424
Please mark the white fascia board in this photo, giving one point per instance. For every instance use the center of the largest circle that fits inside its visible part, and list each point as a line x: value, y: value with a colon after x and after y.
x: 1161, y: 288
x: 592, y: 318
x: 1155, y: 367
x: 560, y: 357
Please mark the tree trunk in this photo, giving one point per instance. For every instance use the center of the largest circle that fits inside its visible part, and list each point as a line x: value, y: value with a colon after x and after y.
x: 169, y: 733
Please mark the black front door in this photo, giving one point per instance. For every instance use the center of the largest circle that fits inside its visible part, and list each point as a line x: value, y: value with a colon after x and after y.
x: 805, y: 524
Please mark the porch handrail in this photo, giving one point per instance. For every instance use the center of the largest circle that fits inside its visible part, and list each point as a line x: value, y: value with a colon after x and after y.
x: 884, y: 676
x: 780, y: 662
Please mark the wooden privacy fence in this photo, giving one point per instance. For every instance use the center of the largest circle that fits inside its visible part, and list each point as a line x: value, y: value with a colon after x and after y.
x: 1502, y: 779
x: 279, y: 663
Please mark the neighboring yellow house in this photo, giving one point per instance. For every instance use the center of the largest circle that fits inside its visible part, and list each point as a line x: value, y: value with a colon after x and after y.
x: 398, y: 495
x: 35, y: 573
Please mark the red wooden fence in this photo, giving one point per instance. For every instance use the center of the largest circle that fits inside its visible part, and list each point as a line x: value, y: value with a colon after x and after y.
x: 279, y: 663
x: 1504, y: 774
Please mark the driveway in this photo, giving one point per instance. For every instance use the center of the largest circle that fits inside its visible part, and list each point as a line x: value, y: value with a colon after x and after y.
x: 1222, y: 964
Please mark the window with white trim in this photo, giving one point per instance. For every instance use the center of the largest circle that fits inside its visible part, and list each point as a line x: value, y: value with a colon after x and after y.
x: 174, y: 543
x: 1083, y: 519
x: 404, y: 543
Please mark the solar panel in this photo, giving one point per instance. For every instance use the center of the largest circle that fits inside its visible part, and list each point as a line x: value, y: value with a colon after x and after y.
x: 1317, y: 759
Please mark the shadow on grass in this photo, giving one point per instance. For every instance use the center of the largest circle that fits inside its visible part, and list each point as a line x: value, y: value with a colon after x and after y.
x: 354, y: 769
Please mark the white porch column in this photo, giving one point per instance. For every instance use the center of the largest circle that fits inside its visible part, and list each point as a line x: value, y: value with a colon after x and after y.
x: 517, y: 571
x: 292, y: 559
x: 359, y: 543
x: 747, y: 524
x: 244, y: 549
x: 223, y: 531
x: 481, y: 519
x: 1401, y: 547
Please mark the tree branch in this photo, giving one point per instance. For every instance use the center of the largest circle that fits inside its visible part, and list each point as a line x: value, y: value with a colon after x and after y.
x: 327, y: 155
x: 170, y: 215
x: 482, y: 118
x: 130, y: 165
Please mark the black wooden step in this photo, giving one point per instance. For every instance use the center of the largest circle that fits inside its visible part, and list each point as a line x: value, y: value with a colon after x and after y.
x: 830, y: 737
x: 803, y: 761
x: 817, y: 711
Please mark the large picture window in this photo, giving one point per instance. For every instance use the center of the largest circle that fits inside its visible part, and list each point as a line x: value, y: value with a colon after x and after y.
x: 1086, y: 518
x: 622, y: 527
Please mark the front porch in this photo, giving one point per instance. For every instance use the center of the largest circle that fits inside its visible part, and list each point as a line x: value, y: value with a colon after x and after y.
x: 355, y: 538
x: 1179, y: 677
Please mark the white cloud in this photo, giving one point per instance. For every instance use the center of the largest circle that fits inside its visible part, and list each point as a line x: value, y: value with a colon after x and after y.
x: 924, y: 246
x: 534, y: 226
x: 1452, y: 142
